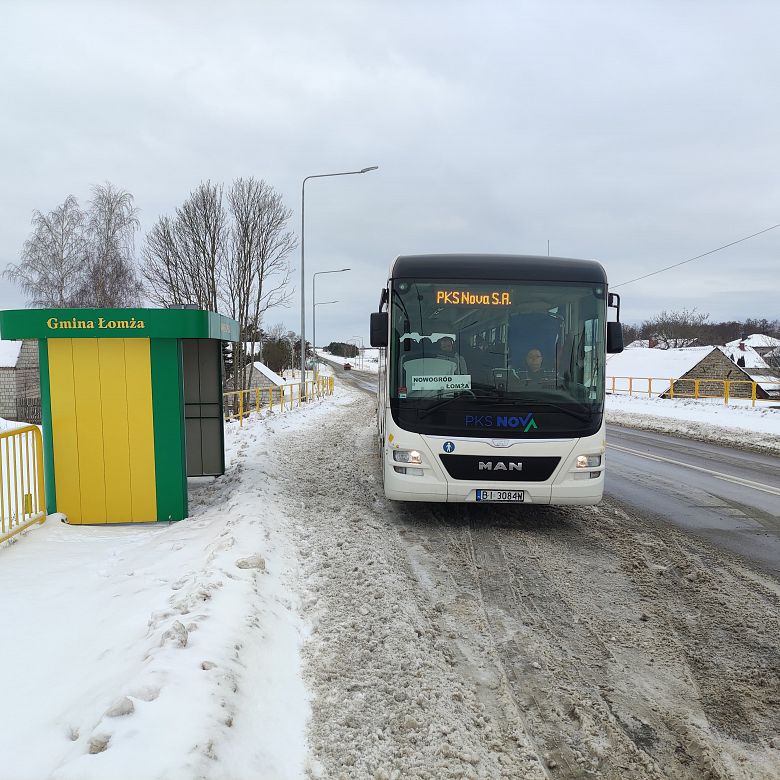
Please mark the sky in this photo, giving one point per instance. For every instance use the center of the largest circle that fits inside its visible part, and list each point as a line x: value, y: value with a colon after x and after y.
x: 639, y: 134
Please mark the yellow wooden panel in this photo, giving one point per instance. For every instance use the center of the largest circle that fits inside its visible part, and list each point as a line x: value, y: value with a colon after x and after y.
x: 116, y: 436
x: 89, y: 429
x: 139, y: 410
x: 63, y: 425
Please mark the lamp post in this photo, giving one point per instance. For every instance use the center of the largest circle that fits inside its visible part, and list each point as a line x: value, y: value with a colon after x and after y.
x: 303, y: 278
x: 314, y: 331
x: 313, y: 298
x: 357, y: 339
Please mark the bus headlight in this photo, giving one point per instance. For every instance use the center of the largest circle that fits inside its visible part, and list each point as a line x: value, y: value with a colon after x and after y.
x: 407, y: 456
x: 588, y: 461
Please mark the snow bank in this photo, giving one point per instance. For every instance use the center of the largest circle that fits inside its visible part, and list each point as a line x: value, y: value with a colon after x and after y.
x: 737, y: 424
x: 163, y: 650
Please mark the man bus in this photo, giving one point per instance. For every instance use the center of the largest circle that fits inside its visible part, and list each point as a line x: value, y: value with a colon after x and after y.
x: 467, y: 410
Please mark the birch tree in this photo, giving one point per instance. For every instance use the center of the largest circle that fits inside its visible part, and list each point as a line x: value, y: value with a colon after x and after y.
x: 109, y: 278
x: 52, y: 258
x: 78, y: 258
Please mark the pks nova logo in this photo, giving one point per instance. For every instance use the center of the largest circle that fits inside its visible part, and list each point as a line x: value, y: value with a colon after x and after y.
x: 515, y: 422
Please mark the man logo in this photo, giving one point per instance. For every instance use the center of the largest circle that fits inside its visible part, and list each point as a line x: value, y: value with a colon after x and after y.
x: 516, y: 466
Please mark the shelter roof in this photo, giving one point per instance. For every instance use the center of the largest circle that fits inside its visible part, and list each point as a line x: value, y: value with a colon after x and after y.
x: 116, y: 323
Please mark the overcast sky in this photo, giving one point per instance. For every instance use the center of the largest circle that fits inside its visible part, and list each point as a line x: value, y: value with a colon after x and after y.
x: 639, y: 134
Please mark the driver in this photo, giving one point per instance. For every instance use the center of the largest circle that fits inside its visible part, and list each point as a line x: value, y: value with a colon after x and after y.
x: 533, y: 361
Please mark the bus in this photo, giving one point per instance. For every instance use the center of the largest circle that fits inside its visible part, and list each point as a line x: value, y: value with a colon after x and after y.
x: 491, y: 378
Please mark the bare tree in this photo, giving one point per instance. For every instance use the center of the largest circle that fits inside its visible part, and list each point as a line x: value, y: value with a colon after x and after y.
x: 257, y: 272
x: 183, y: 255
x: 676, y: 329
x: 109, y: 276
x: 231, y: 259
x: 53, y: 257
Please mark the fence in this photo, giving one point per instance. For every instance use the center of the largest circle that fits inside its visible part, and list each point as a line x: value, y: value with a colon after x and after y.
x: 241, y: 403
x: 29, y: 410
x: 22, y: 498
x: 727, y: 389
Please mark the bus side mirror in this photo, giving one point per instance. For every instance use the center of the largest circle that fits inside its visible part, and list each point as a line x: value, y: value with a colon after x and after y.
x: 378, y: 328
x: 614, y: 337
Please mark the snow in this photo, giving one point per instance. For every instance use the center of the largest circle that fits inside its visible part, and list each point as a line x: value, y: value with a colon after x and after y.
x: 755, y: 340
x: 272, y: 376
x: 738, y: 424
x: 176, y: 650
x: 9, y: 353
x: 193, y: 628
x: 660, y: 365
x: 751, y: 357
x: 367, y: 361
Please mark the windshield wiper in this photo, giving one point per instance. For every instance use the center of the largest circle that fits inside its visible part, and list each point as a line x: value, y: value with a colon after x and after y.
x: 571, y: 412
x: 431, y: 409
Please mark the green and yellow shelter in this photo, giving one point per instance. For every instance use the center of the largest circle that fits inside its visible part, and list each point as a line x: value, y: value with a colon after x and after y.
x: 131, y: 405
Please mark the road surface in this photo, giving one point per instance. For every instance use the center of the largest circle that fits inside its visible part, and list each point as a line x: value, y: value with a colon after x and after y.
x: 729, y: 497
x: 460, y: 641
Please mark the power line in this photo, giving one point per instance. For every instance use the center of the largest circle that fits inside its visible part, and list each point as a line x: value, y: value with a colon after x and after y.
x: 691, y: 259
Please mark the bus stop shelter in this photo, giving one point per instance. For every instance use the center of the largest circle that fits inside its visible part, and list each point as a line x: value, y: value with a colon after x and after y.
x: 131, y: 405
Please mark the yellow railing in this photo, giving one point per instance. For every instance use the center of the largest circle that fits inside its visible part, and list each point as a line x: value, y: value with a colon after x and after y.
x: 241, y: 403
x: 22, y: 498
x: 727, y: 389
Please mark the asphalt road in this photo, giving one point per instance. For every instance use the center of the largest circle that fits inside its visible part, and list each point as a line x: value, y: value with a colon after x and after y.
x: 729, y: 497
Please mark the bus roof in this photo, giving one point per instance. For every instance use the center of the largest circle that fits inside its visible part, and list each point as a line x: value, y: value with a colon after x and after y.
x: 536, y: 268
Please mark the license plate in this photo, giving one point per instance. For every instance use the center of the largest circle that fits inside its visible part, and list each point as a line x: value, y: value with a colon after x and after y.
x: 499, y: 495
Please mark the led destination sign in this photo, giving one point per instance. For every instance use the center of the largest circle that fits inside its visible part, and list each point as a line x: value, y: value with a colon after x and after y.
x: 494, y: 298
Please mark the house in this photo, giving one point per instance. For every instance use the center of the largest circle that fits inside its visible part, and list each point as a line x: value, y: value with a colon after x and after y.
x: 263, y: 377
x: 28, y: 383
x: 9, y: 354
x: 756, y: 364
x: 758, y: 341
x: 661, y: 373
x: 645, y: 344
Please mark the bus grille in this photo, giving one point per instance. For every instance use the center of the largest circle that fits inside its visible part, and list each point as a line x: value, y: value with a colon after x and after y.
x: 497, y: 469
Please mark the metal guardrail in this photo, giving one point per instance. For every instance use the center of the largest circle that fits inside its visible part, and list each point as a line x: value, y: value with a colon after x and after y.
x: 727, y: 389
x: 239, y: 404
x: 22, y: 497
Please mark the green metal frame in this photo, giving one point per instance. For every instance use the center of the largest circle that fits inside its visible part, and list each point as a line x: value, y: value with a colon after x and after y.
x: 116, y: 323
x: 170, y: 457
x: 48, y: 442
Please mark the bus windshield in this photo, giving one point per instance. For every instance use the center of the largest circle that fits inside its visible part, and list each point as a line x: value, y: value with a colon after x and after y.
x: 458, y: 349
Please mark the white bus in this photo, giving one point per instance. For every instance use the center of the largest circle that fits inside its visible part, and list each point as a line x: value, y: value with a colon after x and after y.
x: 491, y: 381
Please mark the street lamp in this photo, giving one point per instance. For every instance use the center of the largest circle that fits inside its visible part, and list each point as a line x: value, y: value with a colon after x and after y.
x: 360, y: 348
x: 314, y: 331
x: 313, y: 322
x: 303, y: 278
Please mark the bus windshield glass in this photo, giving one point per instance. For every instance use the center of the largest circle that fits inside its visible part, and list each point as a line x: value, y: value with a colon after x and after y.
x: 483, y: 351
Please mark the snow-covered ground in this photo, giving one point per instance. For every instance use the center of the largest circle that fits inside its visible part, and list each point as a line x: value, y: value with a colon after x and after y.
x: 161, y: 651
x: 738, y: 424
x: 181, y: 651
x: 367, y: 361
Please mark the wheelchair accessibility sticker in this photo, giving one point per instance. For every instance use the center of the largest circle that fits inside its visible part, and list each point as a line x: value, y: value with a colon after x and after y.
x: 448, y: 446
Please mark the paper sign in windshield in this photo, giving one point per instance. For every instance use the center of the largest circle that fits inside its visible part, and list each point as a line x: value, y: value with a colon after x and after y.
x: 441, y: 382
